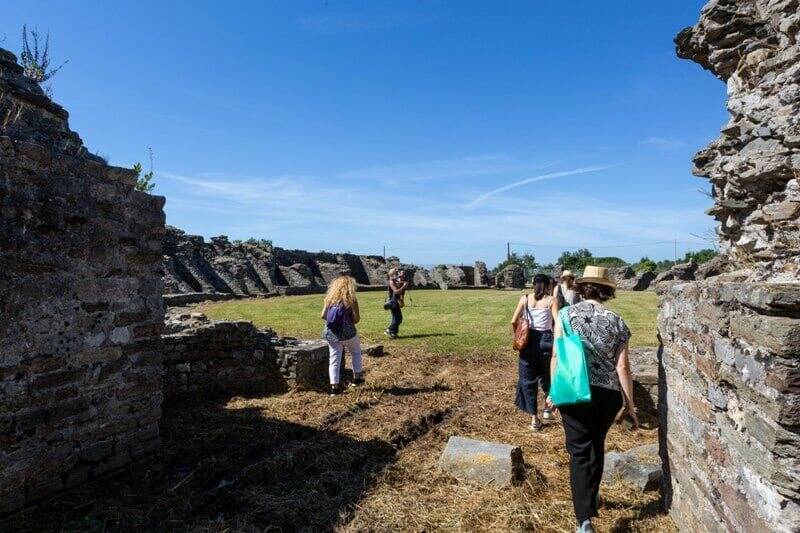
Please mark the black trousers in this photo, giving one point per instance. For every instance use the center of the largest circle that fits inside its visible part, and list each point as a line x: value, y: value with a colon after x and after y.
x: 585, y: 429
x: 397, y: 319
x: 534, y: 370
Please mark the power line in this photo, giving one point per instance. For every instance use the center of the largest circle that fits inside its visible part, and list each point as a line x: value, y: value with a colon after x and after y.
x: 564, y: 246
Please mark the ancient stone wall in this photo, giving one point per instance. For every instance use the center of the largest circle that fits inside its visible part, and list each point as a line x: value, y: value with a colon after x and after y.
x: 80, y: 303
x: 204, y: 359
x: 729, y: 383
x: 511, y: 277
x: 753, y: 167
x: 205, y: 270
x: 730, y: 404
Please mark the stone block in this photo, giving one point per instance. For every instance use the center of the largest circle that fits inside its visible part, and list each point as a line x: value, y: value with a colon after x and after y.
x: 639, y: 467
x: 487, y: 463
x: 778, y: 334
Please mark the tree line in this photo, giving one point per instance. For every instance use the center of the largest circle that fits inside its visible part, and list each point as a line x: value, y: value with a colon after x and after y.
x: 577, y: 261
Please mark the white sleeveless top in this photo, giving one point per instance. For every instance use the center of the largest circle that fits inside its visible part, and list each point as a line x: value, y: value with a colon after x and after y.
x: 540, y: 319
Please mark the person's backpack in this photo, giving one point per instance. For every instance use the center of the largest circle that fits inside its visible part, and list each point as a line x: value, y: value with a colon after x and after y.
x: 336, y: 317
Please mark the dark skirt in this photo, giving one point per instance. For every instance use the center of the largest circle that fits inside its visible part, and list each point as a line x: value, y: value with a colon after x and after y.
x: 534, y: 370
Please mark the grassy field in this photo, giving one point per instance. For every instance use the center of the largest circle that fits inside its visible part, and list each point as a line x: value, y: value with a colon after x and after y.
x: 442, y: 322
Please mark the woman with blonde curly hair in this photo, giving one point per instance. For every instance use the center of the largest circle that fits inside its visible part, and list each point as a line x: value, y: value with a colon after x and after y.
x: 340, y: 313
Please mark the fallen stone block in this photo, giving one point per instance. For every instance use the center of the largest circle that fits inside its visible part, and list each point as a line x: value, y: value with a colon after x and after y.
x: 639, y: 467
x: 488, y: 463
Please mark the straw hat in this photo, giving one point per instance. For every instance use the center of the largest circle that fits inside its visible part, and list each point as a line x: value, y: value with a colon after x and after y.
x: 599, y: 275
x: 567, y: 274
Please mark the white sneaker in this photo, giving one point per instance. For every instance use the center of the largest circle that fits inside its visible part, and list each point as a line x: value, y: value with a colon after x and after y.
x: 585, y: 527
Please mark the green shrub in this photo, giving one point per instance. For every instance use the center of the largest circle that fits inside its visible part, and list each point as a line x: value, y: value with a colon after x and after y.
x: 645, y: 264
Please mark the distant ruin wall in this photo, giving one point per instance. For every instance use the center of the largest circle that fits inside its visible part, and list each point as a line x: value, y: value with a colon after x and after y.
x: 204, y: 270
x: 729, y: 383
x: 80, y: 303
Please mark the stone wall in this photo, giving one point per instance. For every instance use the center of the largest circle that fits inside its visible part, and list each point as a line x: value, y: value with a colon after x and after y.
x: 730, y: 404
x: 204, y: 359
x: 204, y: 270
x: 511, y: 277
x: 80, y: 301
x: 729, y: 383
x: 753, y: 167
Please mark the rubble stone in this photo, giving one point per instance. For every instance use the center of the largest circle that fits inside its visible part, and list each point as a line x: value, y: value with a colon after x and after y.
x: 729, y: 401
x: 639, y: 467
x: 196, y: 270
x: 487, y: 463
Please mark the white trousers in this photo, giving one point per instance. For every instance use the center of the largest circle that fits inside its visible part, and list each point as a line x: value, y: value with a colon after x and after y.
x: 336, y: 350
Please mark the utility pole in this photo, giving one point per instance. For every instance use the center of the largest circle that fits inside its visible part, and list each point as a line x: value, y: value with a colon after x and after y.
x: 508, y: 251
x: 676, y: 250
x: 384, y: 252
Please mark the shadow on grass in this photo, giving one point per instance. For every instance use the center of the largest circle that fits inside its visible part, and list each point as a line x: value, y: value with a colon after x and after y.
x: 410, y: 391
x: 640, y: 512
x: 223, y: 468
x: 425, y: 335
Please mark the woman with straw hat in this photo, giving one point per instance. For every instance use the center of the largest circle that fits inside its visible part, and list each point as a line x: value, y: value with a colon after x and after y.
x: 565, y: 292
x: 604, y: 336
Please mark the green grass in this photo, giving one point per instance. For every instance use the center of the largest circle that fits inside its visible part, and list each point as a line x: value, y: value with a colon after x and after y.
x: 458, y: 322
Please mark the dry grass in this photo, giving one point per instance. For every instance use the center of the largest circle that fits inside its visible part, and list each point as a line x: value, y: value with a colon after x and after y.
x: 364, y: 461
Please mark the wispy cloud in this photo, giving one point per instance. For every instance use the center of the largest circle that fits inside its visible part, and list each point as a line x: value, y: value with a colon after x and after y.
x: 664, y: 143
x: 363, y: 20
x: 313, y: 213
x: 552, y: 175
x: 480, y: 165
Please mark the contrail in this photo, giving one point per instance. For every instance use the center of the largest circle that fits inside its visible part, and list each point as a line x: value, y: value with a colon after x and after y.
x: 552, y: 175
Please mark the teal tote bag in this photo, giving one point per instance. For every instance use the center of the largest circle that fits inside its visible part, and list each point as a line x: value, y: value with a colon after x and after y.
x: 570, y: 384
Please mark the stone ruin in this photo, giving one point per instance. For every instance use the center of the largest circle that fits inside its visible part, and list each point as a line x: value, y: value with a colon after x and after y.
x: 80, y: 300
x: 85, y: 366
x: 196, y: 270
x: 205, y: 358
x: 729, y: 397
x: 511, y: 277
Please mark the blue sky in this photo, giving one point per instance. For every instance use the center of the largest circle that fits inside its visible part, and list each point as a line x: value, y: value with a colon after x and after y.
x: 440, y: 129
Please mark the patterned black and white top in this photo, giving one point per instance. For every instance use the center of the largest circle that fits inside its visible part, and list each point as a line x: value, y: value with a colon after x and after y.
x: 603, y: 333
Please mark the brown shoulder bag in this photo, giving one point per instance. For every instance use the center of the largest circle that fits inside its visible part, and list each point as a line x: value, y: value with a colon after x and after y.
x: 522, y: 330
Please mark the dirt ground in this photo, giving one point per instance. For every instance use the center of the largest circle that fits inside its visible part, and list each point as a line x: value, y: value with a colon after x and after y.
x: 363, y: 461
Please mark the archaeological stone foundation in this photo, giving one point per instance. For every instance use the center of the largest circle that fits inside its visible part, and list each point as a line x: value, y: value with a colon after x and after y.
x: 730, y: 362
x: 196, y: 270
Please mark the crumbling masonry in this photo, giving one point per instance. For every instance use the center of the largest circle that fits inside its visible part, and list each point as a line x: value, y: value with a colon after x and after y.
x: 729, y: 396
x: 80, y: 303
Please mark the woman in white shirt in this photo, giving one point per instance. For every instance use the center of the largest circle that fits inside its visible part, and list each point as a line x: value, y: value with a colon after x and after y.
x: 541, y: 311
